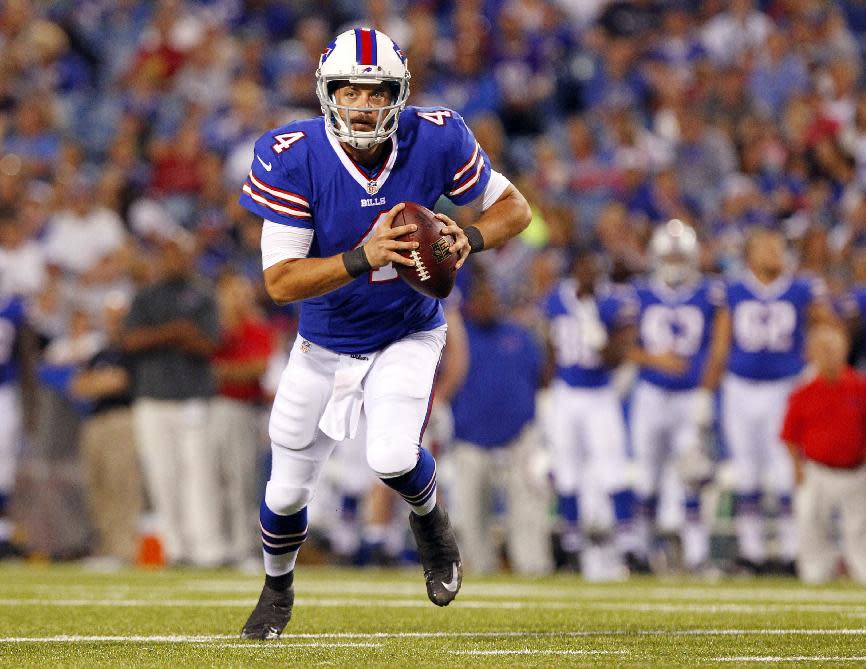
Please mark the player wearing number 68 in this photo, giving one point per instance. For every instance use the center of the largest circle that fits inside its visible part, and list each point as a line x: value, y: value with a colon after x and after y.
x: 328, y: 190
x: 770, y: 309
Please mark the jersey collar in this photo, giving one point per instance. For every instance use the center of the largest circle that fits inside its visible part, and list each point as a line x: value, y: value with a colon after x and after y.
x: 370, y: 184
x: 767, y: 290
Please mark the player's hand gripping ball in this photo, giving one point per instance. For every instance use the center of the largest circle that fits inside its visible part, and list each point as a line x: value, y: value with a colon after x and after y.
x: 435, y: 265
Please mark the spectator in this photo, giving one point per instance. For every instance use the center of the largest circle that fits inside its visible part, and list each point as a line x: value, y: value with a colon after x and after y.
x: 237, y: 419
x: 496, y: 445
x: 825, y: 431
x: 171, y: 331
x: 107, y: 445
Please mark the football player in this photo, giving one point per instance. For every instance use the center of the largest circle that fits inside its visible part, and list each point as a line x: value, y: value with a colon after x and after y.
x: 681, y: 356
x: 329, y: 189
x: 591, y: 327
x: 771, y: 309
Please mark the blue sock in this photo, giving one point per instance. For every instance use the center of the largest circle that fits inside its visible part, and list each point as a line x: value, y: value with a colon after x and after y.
x: 623, y: 506
x: 747, y: 503
x: 282, y: 534
x: 418, y: 486
x: 693, y: 508
x: 569, y: 509
x: 349, y: 507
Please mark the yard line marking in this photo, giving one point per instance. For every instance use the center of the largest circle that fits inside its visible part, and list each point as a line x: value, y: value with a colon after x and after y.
x: 792, y: 658
x: 539, y: 651
x: 283, y: 644
x: 850, y: 610
x: 70, y: 638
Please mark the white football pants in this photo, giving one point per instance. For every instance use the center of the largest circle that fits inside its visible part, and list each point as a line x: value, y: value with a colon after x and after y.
x: 320, y: 400
x: 752, y: 415
x: 588, y: 439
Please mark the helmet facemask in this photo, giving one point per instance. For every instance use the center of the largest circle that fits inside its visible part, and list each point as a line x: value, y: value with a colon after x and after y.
x: 337, y: 116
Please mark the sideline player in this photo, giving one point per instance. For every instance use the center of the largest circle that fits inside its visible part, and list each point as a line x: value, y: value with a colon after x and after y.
x: 681, y: 354
x: 591, y: 329
x: 328, y: 190
x: 771, y: 309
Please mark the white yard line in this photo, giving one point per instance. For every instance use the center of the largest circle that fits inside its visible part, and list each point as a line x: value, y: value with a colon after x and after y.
x: 507, y: 634
x: 539, y: 651
x: 792, y: 658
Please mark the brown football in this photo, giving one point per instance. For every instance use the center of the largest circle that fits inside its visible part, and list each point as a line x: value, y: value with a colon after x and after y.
x: 435, y: 266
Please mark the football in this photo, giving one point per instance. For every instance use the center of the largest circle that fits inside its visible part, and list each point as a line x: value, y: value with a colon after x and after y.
x: 435, y: 266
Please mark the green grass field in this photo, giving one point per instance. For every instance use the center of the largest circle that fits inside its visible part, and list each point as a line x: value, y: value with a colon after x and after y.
x: 65, y: 616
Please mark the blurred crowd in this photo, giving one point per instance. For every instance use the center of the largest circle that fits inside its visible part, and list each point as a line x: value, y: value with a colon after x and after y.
x: 126, y: 130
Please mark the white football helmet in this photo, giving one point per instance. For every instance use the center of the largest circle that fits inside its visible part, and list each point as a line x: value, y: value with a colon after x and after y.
x: 362, y: 56
x: 674, y: 252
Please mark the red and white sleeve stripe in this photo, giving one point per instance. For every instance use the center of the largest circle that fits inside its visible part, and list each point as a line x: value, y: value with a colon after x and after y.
x: 281, y: 201
x: 476, y: 161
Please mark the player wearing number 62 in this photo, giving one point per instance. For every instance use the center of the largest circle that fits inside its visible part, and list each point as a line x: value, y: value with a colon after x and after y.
x: 770, y: 309
x: 328, y: 190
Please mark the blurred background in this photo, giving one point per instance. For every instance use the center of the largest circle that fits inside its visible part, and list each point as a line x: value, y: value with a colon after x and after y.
x: 126, y: 131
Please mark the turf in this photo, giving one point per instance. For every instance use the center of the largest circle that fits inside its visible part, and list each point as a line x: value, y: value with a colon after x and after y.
x: 67, y: 616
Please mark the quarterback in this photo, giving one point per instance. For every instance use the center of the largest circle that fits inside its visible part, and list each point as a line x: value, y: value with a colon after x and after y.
x: 328, y: 190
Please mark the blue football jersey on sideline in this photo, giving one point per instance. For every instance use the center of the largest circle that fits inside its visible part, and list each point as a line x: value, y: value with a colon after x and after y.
x: 677, y: 321
x: 302, y: 177
x: 769, y: 325
x: 574, y: 326
x: 11, y: 322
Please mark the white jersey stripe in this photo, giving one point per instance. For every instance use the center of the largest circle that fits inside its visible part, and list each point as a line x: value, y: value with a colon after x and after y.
x: 282, y: 194
x: 469, y: 163
x: 471, y: 182
x: 297, y: 213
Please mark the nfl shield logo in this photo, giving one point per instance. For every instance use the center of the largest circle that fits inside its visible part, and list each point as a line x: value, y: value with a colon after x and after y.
x: 372, y: 187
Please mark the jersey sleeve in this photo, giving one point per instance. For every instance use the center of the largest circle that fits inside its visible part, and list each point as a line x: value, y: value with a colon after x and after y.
x: 277, y: 187
x: 468, y: 166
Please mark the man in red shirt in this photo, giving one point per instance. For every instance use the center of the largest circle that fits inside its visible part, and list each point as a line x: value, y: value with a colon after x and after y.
x: 825, y: 430
x: 238, y: 418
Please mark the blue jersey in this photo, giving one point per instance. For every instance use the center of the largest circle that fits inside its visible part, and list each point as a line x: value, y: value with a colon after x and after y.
x: 579, y: 327
x: 498, y: 398
x: 11, y: 322
x: 677, y: 321
x: 769, y: 325
x: 302, y: 177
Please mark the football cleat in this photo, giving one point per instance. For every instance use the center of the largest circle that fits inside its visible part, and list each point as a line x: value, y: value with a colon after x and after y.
x: 271, y: 615
x: 440, y: 557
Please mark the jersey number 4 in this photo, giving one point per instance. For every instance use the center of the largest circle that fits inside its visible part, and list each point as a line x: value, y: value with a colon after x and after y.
x: 435, y: 117
x: 286, y: 140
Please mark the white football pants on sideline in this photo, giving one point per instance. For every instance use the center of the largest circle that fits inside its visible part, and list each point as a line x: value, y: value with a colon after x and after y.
x: 588, y: 439
x: 321, y: 397
x: 752, y: 415
x: 180, y: 469
x: 662, y: 428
